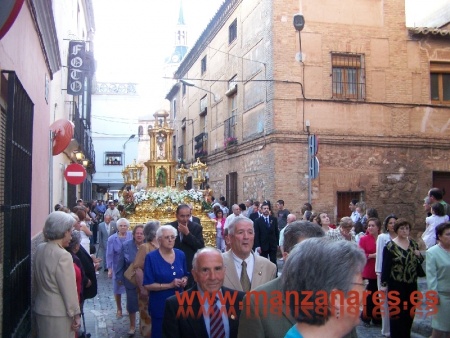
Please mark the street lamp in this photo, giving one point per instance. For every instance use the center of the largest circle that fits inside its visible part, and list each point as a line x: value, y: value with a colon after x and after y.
x: 190, y: 84
x: 124, y: 154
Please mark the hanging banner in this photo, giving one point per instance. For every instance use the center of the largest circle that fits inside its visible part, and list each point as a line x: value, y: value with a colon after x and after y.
x: 76, y: 67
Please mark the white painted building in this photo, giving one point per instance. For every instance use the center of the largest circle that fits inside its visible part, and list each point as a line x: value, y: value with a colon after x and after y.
x: 115, y: 111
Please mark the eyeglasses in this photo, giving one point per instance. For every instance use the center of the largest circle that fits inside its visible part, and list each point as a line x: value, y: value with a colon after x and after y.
x: 169, y: 237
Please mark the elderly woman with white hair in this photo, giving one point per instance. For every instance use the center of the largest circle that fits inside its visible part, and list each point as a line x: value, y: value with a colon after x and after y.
x: 56, y: 303
x: 330, y: 287
x: 114, y: 248
x: 165, y: 272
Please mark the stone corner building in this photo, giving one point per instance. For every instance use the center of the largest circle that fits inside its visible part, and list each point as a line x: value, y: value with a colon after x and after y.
x: 375, y: 92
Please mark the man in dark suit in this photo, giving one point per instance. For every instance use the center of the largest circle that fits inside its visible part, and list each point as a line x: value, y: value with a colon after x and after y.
x: 266, y: 234
x: 189, y: 238
x: 105, y: 229
x: 255, y: 214
x: 90, y: 279
x: 204, y: 319
x: 193, y: 218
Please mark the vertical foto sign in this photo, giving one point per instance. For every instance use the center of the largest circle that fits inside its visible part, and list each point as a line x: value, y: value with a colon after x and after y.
x: 76, y: 61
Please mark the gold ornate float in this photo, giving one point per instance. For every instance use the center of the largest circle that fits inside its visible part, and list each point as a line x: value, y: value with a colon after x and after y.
x: 165, y: 184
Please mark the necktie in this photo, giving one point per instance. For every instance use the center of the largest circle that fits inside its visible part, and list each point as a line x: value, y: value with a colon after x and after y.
x: 267, y: 222
x: 245, y: 281
x: 216, y: 326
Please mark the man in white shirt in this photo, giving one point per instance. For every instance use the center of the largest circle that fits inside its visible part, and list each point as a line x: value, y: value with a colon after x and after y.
x: 245, y: 270
x: 290, y: 218
x: 355, y: 216
x: 236, y: 212
x: 112, y: 211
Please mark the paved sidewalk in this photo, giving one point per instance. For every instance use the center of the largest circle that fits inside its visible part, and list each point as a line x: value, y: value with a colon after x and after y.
x: 100, y: 312
x: 101, y: 321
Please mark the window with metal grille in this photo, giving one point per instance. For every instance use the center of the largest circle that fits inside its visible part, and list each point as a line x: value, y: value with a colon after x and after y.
x: 232, y: 31
x: 440, y: 82
x: 348, y: 78
x: 203, y: 65
x: 113, y: 158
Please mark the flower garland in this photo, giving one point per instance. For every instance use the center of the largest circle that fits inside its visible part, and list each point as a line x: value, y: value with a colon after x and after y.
x: 160, y: 197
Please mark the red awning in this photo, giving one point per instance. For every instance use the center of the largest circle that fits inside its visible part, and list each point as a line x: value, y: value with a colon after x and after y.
x: 62, y: 135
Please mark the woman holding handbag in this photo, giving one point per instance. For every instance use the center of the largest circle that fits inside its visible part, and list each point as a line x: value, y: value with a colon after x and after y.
x: 150, y: 244
x: 126, y: 259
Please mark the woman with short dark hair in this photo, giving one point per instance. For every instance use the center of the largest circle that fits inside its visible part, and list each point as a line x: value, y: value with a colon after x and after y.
x: 437, y: 217
x: 388, y: 235
x: 151, y: 244
x: 368, y: 244
x: 401, y: 260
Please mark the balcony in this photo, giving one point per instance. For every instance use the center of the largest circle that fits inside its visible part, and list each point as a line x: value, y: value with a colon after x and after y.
x: 201, y: 146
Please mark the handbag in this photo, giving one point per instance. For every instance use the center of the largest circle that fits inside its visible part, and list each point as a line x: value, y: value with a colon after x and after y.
x: 130, y: 274
x: 420, y: 271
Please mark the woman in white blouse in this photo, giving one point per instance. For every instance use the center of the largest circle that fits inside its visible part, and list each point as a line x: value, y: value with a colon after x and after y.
x: 388, y: 235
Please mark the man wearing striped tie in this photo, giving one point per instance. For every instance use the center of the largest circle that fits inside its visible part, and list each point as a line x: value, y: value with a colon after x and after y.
x: 207, y: 310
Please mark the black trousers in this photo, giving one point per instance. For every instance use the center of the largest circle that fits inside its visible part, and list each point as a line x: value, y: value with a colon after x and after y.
x: 401, y: 316
x: 270, y: 254
x: 368, y: 311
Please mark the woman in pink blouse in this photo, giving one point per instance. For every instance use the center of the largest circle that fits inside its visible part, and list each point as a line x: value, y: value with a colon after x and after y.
x: 368, y: 243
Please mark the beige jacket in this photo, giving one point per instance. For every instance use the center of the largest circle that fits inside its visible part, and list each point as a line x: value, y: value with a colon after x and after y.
x: 54, y: 276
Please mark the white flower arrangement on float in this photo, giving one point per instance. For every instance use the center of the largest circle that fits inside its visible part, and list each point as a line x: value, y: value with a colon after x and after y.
x: 160, y: 197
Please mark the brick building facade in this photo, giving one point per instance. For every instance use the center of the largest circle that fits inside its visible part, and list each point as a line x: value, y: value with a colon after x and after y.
x: 361, y: 83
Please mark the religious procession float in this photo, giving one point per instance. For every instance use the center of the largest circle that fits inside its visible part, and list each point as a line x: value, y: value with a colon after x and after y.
x: 165, y: 184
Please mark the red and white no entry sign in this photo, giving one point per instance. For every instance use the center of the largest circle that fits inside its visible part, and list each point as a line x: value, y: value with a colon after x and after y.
x: 75, y: 173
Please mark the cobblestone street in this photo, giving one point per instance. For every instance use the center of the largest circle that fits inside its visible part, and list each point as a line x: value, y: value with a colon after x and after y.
x: 101, y: 321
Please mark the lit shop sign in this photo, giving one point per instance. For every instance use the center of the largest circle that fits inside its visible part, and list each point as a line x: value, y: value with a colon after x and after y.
x: 77, y: 67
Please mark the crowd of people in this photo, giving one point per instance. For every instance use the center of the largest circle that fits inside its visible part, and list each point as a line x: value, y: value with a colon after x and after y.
x: 182, y: 288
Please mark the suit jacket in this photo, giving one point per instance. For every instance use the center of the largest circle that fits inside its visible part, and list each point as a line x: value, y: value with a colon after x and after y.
x: 54, y: 277
x: 190, y: 243
x: 265, y: 321
x: 263, y: 272
x: 196, y: 220
x: 254, y: 215
x: 267, y: 238
x: 104, y: 235
x: 89, y: 273
x: 193, y: 324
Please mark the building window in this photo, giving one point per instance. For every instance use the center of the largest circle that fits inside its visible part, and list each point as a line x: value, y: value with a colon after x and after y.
x: 174, y: 108
x: 140, y: 131
x: 440, y: 82
x: 113, y: 158
x: 232, y: 31
x: 204, y: 65
x: 233, y: 105
x: 203, y: 106
x: 348, y: 76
